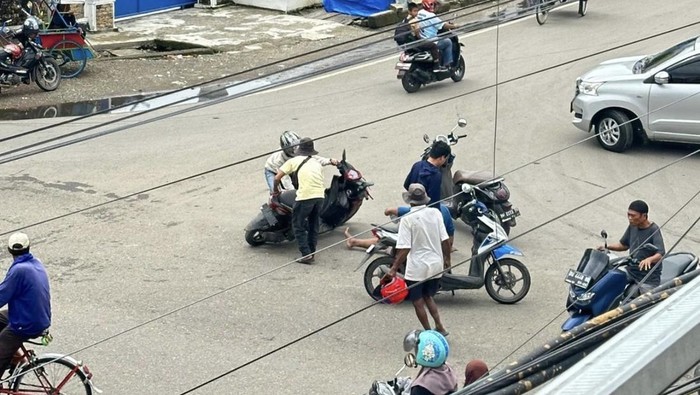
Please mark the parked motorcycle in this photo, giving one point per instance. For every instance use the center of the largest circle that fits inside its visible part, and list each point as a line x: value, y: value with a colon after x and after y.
x: 493, y: 193
x: 504, y: 271
x: 28, y: 62
x: 343, y: 198
x: 599, y: 284
x: 415, y: 67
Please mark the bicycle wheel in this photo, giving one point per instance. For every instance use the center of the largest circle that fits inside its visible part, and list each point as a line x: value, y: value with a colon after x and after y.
x: 582, y: 7
x: 52, y: 372
x: 71, y: 57
x: 542, y: 11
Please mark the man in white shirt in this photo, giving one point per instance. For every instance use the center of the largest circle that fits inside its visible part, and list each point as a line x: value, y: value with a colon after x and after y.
x: 430, y: 24
x: 424, y: 247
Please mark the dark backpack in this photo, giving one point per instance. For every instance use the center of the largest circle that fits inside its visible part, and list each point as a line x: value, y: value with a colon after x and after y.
x: 402, y: 34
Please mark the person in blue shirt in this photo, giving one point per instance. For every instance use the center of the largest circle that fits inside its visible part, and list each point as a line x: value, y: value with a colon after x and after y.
x: 427, y: 172
x: 25, y: 290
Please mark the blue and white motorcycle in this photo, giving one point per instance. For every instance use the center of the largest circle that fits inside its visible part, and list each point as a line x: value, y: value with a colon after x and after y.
x: 600, y: 283
x: 506, y: 279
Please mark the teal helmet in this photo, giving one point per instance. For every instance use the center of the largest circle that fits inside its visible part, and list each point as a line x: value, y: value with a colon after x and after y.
x: 432, y: 349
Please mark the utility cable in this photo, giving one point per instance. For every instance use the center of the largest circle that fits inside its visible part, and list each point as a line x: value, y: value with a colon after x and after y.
x: 556, y: 218
x: 495, y: 111
x: 352, y: 62
x: 391, y: 116
x: 603, y: 196
x: 323, y: 249
x: 354, y: 313
x: 225, y: 77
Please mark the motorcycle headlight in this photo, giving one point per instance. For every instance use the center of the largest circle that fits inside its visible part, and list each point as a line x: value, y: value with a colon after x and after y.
x: 586, y: 297
x: 589, y: 88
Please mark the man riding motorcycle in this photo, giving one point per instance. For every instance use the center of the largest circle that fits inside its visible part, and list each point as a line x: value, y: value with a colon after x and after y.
x: 430, y: 24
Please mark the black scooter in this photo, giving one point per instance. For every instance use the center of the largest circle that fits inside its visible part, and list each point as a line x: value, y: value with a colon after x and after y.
x: 493, y: 193
x: 415, y: 67
x: 507, y: 280
x: 343, y: 199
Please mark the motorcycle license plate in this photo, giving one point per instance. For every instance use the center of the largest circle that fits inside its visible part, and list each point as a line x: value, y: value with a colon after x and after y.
x: 510, y: 214
x: 403, y: 66
x: 401, y: 74
x: 577, y: 279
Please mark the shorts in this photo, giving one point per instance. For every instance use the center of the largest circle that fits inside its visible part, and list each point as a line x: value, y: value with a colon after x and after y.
x: 427, y: 288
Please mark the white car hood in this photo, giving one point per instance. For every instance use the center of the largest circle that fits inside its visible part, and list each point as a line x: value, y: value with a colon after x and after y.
x: 613, y: 70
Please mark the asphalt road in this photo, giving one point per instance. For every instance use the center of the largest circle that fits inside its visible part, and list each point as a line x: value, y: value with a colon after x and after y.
x: 126, y: 263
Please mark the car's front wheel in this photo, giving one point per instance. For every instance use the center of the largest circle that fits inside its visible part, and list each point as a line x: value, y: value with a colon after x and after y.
x: 614, y: 130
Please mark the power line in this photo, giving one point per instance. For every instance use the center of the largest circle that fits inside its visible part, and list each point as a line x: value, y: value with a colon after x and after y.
x: 260, y: 89
x: 354, y: 313
x: 225, y: 77
x: 556, y: 218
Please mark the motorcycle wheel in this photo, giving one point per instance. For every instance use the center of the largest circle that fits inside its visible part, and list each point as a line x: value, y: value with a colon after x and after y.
x: 374, y: 273
x: 410, y: 85
x: 254, y: 237
x: 460, y: 71
x: 47, y: 74
x: 507, y: 280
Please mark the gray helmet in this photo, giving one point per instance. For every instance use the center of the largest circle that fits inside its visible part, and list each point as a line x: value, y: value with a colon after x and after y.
x: 410, y: 341
x: 288, y: 142
x: 30, y: 26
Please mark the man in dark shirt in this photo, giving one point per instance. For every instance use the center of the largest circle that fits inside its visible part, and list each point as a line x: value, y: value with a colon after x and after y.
x: 639, y: 232
x: 26, y: 292
x: 427, y: 172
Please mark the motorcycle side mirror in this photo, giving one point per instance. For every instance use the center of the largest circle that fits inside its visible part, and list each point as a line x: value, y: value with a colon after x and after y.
x: 462, y: 122
x: 409, y: 360
x: 426, y: 138
x: 604, y: 234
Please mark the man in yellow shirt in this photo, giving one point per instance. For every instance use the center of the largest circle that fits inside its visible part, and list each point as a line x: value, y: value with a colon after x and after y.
x: 310, y: 193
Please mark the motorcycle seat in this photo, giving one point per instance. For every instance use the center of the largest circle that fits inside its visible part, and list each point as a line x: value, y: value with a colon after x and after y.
x: 676, y: 264
x: 471, y: 177
x: 287, y: 198
x: 390, y: 227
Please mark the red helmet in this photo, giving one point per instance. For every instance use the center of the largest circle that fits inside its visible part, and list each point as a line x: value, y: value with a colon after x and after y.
x: 429, y: 5
x: 14, y: 50
x: 395, y: 291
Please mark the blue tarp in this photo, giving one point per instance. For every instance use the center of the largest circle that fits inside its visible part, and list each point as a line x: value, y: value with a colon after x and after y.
x: 356, y: 7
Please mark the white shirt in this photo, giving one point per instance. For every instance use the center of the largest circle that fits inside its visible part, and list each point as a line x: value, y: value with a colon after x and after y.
x: 423, y: 231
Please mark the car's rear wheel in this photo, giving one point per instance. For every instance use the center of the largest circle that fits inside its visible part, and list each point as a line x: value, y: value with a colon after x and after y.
x: 614, y: 130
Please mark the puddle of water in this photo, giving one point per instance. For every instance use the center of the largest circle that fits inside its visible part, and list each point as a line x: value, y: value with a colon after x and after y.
x: 188, y: 96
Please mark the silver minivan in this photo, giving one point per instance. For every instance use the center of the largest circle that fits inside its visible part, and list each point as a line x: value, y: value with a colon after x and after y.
x: 654, y: 97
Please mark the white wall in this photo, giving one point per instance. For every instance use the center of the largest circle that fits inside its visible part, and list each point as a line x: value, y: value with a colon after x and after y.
x: 281, y: 5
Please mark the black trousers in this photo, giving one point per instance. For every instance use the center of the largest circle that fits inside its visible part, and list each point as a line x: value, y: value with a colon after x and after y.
x: 9, y: 342
x: 305, y: 221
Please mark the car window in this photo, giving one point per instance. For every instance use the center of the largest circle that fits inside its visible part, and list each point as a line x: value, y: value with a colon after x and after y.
x: 687, y: 73
x: 652, y: 61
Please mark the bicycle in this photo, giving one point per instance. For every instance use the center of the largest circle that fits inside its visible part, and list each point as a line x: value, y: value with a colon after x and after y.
x: 543, y: 7
x: 38, y: 374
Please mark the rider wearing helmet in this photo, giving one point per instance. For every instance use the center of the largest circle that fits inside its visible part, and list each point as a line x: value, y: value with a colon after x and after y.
x: 288, y: 143
x: 431, y: 350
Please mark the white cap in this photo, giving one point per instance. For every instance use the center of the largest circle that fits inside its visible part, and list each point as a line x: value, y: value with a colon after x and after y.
x: 18, y: 241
